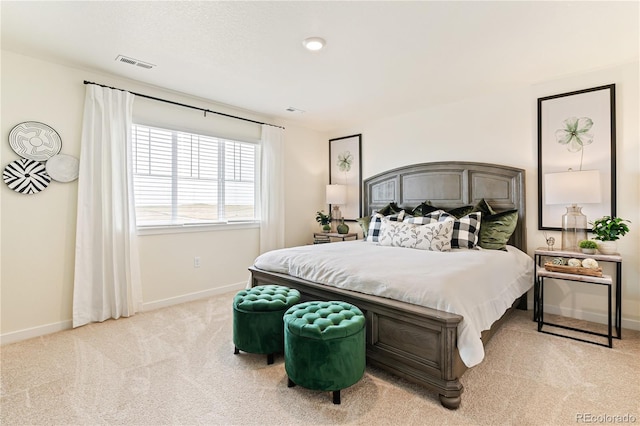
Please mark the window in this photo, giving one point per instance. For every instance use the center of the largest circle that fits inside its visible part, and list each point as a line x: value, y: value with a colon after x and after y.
x: 183, y: 178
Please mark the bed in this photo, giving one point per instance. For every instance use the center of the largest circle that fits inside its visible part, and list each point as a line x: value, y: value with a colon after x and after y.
x: 417, y: 341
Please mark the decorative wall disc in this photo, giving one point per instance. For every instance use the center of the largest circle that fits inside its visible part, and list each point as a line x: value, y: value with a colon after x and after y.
x: 63, y: 168
x: 35, y: 141
x: 26, y: 176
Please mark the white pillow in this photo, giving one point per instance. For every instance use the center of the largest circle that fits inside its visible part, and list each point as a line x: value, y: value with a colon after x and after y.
x: 433, y: 236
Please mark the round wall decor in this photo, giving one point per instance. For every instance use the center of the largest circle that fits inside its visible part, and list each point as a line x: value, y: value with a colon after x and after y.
x: 63, y: 168
x: 26, y: 176
x: 35, y: 141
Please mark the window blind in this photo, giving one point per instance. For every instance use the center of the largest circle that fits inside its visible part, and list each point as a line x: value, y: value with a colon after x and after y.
x: 183, y: 178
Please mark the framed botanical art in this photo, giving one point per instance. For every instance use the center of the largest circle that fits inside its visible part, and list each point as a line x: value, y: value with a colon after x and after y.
x: 576, y: 133
x: 345, y: 168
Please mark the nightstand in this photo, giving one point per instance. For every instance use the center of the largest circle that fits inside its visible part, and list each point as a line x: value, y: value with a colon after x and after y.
x: 605, y: 280
x: 330, y: 237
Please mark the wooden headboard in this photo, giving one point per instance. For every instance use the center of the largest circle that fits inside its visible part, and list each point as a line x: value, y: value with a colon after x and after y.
x: 448, y: 185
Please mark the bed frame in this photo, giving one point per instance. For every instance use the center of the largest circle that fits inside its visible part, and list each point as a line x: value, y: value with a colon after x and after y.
x: 414, y: 342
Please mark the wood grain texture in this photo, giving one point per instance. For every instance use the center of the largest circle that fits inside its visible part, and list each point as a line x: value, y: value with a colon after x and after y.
x: 411, y: 341
x: 592, y: 272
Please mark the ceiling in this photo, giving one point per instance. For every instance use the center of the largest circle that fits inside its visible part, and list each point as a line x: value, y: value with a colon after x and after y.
x: 382, y: 58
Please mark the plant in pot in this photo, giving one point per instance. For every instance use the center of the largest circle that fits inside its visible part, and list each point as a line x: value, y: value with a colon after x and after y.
x: 588, y: 246
x: 609, y: 229
x: 324, y: 220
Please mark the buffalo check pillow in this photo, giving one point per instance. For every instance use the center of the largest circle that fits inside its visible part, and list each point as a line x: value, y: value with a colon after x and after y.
x: 465, y: 230
x: 376, y: 222
x: 424, y: 220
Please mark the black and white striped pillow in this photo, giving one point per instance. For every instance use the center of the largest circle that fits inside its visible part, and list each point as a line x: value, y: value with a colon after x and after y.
x: 465, y: 230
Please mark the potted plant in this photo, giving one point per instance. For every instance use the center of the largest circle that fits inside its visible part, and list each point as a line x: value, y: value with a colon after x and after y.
x: 588, y: 246
x: 609, y: 229
x: 324, y: 220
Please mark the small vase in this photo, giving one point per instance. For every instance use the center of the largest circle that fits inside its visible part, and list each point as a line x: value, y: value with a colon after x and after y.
x: 326, y: 228
x: 608, y: 247
x: 588, y: 250
x: 342, y: 228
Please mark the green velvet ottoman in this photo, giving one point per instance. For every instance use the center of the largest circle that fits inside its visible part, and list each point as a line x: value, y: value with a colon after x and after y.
x: 324, y: 346
x: 257, y: 319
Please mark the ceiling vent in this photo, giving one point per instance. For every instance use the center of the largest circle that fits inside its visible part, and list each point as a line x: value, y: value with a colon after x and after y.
x: 135, y: 62
x: 296, y: 110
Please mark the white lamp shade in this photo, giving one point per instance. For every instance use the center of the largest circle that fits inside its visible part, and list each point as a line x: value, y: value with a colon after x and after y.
x: 336, y: 194
x: 581, y: 187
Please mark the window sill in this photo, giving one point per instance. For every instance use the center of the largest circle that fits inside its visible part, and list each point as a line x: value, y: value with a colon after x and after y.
x: 181, y: 229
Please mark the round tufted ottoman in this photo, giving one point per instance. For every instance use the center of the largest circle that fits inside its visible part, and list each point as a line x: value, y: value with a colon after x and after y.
x: 257, y: 319
x: 324, y: 346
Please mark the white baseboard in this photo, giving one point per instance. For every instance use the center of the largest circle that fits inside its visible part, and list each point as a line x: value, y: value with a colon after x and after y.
x: 149, y: 306
x: 584, y: 315
x: 30, y: 333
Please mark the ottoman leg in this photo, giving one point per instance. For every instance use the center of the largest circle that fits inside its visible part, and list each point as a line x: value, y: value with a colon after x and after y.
x: 269, y: 359
x: 236, y: 351
x: 336, y: 397
x: 290, y: 384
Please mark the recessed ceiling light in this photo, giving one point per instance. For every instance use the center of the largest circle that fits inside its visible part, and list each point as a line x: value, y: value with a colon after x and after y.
x: 314, y: 43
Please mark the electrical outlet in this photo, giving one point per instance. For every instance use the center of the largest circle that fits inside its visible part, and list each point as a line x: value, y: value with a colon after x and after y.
x: 196, y: 262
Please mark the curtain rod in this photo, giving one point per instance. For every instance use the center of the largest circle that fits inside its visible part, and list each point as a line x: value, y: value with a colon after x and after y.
x: 184, y: 105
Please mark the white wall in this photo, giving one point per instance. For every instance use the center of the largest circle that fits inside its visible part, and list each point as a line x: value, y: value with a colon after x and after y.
x: 502, y: 128
x: 38, y: 231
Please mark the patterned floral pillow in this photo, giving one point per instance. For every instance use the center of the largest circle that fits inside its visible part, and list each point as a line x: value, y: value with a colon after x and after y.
x: 433, y: 236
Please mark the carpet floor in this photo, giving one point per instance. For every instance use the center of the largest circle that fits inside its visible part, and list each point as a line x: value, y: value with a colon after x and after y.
x: 176, y: 366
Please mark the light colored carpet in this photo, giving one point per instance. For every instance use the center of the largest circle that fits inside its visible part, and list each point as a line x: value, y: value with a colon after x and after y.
x: 176, y: 366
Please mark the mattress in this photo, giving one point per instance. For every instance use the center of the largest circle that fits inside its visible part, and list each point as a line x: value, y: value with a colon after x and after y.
x: 480, y: 285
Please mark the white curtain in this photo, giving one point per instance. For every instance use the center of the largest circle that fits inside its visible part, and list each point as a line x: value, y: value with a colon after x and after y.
x: 107, y: 274
x: 272, y: 189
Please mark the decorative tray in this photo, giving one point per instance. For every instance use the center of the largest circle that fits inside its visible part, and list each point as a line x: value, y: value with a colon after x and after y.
x: 593, y: 272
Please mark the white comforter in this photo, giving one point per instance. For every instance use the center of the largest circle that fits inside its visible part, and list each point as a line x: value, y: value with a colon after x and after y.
x: 479, y: 284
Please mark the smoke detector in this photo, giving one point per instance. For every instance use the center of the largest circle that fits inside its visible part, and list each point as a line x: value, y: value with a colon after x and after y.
x: 135, y: 62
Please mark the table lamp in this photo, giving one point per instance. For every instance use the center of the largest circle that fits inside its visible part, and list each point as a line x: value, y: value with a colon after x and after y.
x: 572, y: 188
x: 336, y: 195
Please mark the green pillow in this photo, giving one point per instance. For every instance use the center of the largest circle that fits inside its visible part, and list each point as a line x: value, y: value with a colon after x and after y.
x: 496, y: 229
x: 364, y: 224
x: 483, y: 207
x: 391, y: 208
x: 423, y: 209
x: 426, y: 208
x: 460, y: 212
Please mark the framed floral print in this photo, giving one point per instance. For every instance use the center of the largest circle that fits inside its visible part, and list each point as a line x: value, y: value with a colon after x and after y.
x: 577, y: 132
x: 345, y: 168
